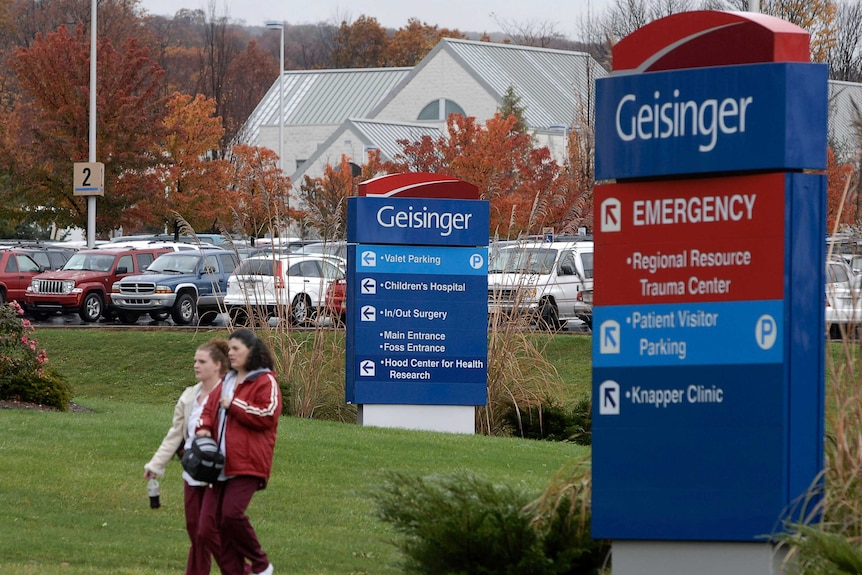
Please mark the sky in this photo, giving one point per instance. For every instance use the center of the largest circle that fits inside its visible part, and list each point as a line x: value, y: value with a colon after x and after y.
x: 466, y: 15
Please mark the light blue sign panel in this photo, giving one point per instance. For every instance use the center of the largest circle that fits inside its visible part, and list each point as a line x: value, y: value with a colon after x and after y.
x: 709, y: 120
x: 417, y: 221
x: 412, y: 260
x: 750, y: 332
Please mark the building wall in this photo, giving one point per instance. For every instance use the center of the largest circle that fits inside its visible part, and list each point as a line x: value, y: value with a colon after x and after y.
x: 348, y: 143
x: 441, y: 77
x: 300, y: 142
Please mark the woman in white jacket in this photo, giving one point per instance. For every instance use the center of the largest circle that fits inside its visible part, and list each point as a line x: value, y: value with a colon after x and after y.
x: 211, y: 363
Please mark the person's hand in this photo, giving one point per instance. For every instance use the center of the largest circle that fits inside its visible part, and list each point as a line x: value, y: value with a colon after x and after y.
x: 226, y: 401
x: 203, y: 433
x: 149, y: 474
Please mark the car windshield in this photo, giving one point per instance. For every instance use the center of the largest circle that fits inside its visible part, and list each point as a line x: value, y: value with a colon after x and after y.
x: 523, y: 260
x: 175, y: 263
x: 90, y: 262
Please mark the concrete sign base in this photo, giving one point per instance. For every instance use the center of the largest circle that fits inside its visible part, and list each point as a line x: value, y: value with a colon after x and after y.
x: 446, y: 418
x: 702, y: 558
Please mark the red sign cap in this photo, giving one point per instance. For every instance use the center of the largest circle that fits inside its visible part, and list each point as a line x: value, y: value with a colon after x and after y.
x: 419, y: 185
x: 705, y: 38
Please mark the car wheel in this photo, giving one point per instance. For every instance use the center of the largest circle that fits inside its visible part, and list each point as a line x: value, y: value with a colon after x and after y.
x: 550, y: 317
x: 160, y: 315
x: 2, y: 297
x: 184, y: 309
x: 207, y: 318
x: 300, y: 310
x: 127, y: 317
x: 238, y: 316
x: 91, y: 308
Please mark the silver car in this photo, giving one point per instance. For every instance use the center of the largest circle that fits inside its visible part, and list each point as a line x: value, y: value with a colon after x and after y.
x: 273, y: 286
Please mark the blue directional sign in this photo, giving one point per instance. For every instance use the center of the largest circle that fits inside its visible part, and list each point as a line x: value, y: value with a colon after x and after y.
x: 417, y: 221
x: 417, y: 314
x: 706, y: 120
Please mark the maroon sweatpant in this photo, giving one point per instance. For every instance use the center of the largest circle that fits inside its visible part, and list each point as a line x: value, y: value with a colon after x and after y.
x: 223, y: 519
x: 199, y: 560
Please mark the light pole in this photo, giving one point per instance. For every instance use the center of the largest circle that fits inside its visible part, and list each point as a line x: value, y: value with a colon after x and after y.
x: 274, y: 25
x: 91, y: 200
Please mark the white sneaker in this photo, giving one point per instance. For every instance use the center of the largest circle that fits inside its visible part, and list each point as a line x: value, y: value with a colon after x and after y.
x: 267, y: 571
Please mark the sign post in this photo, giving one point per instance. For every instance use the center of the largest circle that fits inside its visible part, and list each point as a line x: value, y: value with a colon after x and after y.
x: 710, y: 263
x: 417, y: 288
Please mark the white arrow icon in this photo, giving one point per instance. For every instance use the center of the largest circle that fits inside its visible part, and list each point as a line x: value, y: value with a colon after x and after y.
x: 609, y: 398
x: 609, y: 337
x: 368, y: 286
x: 368, y: 313
x: 367, y: 368
x: 368, y: 259
x: 611, y: 215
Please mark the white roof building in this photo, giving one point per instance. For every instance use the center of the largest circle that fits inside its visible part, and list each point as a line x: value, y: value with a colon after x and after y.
x: 328, y: 113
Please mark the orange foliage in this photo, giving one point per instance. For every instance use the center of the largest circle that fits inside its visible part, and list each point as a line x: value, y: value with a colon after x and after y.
x: 408, y: 45
x: 192, y: 185
x: 521, y: 182
x: 54, y: 74
x: 841, y: 201
x: 260, y: 191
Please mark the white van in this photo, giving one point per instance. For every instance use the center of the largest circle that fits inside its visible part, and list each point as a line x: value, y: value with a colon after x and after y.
x: 549, y: 282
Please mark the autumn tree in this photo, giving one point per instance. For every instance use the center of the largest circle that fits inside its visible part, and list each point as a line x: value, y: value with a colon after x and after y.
x: 360, y: 44
x: 308, y: 46
x: 191, y: 183
x: 260, y: 192
x: 840, y: 201
x: 52, y: 125
x: 574, y: 207
x: 815, y: 16
x: 325, y: 199
x: 509, y: 171
x: 409, y: 44
x: 249, y: 76
x: 176, y: 49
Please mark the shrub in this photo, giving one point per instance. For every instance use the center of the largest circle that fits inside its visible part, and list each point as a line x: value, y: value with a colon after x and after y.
x: 23, y: 374
x: 465, y: 525
x: 553, y: 422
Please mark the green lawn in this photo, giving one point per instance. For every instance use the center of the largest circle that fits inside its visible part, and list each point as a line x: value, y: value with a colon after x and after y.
x: 73, y: 501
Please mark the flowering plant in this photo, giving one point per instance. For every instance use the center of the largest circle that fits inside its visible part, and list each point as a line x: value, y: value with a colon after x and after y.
x: 23, y: 374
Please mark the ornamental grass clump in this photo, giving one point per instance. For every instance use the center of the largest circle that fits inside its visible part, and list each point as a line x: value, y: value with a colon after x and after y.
x: 23, y: 374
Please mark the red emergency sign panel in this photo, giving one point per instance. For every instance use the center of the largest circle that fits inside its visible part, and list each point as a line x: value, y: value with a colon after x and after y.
x: 702, y: 240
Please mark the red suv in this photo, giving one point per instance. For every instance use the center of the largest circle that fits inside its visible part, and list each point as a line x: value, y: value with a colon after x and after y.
x: 16, y: 271
x: 84, y: 283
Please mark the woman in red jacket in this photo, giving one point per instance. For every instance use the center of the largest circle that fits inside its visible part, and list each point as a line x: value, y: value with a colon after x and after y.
x: 244, y: 423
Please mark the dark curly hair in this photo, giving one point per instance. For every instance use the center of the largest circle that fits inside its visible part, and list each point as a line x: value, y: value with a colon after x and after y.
x: 259, y: 355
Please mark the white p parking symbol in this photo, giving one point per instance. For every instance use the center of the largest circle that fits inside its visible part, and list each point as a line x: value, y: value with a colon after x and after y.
x: 766, y: 332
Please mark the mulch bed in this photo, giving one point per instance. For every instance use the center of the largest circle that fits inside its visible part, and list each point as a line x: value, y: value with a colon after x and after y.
x: 12, y: 404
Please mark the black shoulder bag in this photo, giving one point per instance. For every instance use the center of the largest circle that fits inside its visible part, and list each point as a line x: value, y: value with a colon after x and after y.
x: 203, y: 461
